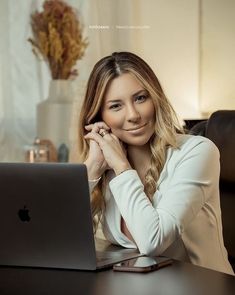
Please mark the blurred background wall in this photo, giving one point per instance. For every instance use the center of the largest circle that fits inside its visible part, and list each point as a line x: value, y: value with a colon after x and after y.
x: 190, y: 45
x: 217, y: 55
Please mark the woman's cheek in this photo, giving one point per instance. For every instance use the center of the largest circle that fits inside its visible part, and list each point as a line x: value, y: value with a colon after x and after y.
x: 114, y: 121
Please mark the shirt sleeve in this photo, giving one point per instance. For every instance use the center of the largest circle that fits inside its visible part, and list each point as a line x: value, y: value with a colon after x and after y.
x: 193, y: 177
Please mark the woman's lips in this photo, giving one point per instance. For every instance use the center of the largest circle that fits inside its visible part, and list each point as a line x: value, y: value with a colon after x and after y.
x: 136, y: 130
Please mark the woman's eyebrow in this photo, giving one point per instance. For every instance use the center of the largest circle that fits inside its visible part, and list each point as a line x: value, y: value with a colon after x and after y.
x: 113, y: 100
x: 138, y: 92
x: 133, y: 95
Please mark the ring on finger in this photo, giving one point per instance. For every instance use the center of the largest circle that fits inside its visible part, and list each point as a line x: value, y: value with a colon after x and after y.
x: 103, y: 133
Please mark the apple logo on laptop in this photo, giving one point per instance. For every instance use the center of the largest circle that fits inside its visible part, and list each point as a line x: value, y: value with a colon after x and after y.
x: 24, y: 214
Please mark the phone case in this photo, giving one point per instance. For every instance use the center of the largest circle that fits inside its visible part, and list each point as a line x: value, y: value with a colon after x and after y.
x: 124, y: 266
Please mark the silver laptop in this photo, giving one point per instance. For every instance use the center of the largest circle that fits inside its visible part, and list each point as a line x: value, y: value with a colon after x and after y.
x: 46, y: 220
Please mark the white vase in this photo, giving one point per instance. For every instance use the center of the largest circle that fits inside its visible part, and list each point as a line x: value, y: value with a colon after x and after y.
x: 54, y: 115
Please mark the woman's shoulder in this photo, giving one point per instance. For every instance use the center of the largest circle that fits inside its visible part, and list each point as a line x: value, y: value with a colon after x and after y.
x: 189, y: 142
x: 189, y: 146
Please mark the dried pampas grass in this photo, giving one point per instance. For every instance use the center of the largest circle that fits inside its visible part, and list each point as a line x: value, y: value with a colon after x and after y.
x: 57, y: 38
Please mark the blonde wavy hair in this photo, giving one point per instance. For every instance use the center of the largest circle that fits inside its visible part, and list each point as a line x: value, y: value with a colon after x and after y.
x: 166, y: 122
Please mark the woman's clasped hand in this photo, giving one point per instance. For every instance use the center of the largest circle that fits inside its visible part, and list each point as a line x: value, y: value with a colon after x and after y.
x: 106, y: 149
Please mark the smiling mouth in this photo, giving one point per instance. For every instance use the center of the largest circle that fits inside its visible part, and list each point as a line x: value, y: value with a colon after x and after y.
x: 137, y: 128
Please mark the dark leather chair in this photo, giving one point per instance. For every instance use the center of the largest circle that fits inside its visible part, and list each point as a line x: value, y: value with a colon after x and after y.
x: 220, y: 128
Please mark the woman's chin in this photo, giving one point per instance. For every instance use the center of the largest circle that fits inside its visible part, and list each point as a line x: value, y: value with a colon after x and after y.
x: 138, y: 141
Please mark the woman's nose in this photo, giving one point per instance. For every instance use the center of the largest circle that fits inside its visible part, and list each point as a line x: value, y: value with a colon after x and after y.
x: 133, y: 114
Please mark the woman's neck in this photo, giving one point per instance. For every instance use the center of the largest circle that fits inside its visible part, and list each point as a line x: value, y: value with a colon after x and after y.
x: 139, y: 157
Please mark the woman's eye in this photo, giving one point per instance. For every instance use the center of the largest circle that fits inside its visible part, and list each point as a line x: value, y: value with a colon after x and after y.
x: 114, y: 106
x: 141, y: 98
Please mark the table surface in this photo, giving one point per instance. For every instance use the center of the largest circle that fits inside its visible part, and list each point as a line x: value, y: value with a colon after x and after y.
x: 177, y: 279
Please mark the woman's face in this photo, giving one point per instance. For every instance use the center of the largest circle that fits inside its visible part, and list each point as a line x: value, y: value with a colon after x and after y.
x: 128, y: 110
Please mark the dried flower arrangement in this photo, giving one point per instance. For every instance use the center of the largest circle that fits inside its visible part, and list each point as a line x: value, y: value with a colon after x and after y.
x: 57, y: 38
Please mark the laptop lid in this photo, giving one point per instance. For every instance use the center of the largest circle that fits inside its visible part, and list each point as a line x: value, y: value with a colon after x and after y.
x: 45, y: 218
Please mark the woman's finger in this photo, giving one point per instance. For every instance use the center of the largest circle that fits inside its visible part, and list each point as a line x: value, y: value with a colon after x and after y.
x: 104, y: 132
x: 96, y: 137
x: 97, y: 125
x: 102, y: 137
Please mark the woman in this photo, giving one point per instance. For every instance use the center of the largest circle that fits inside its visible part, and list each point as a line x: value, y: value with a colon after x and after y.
x: 153, y: 187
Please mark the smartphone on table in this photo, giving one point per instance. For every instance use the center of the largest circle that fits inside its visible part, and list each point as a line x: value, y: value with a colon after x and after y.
x: 143, y: 264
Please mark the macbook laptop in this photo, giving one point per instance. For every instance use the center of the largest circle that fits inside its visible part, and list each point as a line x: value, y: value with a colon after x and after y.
x: 46, y: 221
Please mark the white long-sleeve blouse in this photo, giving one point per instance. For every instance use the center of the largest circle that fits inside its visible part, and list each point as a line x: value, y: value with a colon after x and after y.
x: 184, y: 219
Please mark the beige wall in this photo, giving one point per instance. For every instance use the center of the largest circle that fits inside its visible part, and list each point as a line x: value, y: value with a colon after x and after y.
x: 217, y: 76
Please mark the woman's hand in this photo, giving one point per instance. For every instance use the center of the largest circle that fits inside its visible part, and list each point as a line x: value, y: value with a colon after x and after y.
x: 96, y: 164
x: 112, y: 150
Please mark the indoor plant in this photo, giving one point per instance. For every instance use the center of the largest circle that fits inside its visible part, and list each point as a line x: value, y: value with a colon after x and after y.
x: 58, y: 40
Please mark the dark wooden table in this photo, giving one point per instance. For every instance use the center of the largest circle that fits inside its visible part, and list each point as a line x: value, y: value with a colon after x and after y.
x: 177, y: 279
